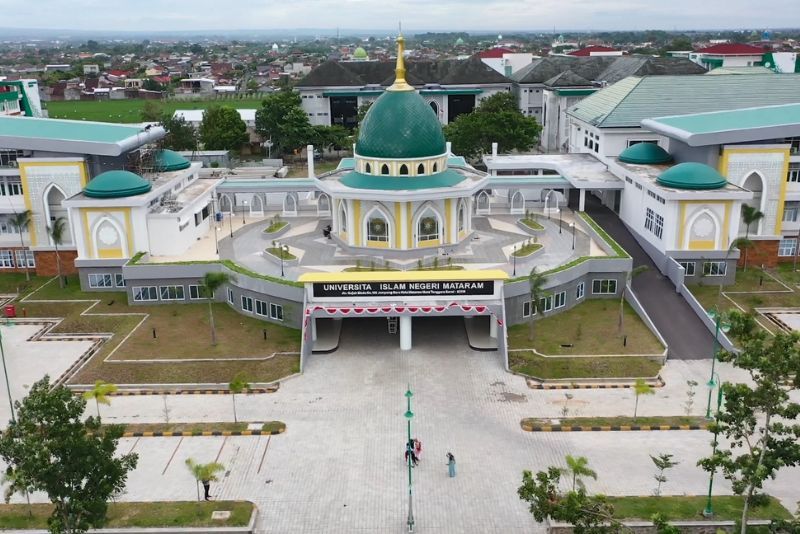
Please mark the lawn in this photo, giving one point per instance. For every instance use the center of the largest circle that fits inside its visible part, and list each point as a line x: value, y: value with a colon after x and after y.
x: 674, y: 420
x: 182, y: 332
x: 691, y: 507
x: 197, y: 428
x: 533, y: 224
x: 129, y: 110
x: 527, y: 250
x: 280, y: 253
x: 15, y: 283
x: 589, y: 328
x: 300, y: 170
x: 528, y: 363
x: 137, y: 514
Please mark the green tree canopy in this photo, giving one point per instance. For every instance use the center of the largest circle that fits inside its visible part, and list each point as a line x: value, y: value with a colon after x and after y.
x: 52, y: 449
x: 180, y: 134
x: 151, y: 111
x: 222, y: 129
x: 496, y: 120
x: 282, y: 119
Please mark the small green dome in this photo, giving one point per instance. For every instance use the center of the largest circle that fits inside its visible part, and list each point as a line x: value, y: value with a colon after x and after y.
x: 360, y: 53
x: 692, y: 175
x: 400, y: 124
x: 169, y: 160
x: 459, y: 41
x: 116, y: 184
x: 645, y: 154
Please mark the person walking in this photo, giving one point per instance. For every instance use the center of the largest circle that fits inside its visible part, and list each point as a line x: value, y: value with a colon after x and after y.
x: 410, y: 452
x: 417, y: 448
x: 207, y: 489
x: 451, y: 464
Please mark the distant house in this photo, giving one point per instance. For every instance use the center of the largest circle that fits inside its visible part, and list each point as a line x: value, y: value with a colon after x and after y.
x: 91, y: 69
x: 728, y: 55
x: 504, y: 60
x: 62, y: 67
x: 196, y: 86
x: 591, y: 51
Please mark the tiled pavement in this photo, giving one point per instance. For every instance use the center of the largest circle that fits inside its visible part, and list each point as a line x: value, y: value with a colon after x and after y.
x: 339, y: 466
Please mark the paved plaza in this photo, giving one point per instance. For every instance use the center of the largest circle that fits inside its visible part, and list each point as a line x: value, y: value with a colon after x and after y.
x: 339, y: 467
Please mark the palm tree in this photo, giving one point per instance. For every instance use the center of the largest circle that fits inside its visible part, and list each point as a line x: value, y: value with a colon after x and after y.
x: 56, y: 231
x: 640, y: 387
x: 636, y: 271
x: 100, y: 393
x: 536, y: 282
x: 750, y: 215
x: 237, y: 385
x: 20, y: 222
x: 204, y: 472
x: 212, y: 281
x: 578, y: 466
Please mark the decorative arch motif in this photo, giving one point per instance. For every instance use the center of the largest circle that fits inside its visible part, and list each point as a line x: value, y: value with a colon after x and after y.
x: 703, y: 231
x: 517, y: 202
x: 323, y: 203
x: 482, y: 205
x: 52, y: 198
x: 756, y: 182
x: 225, y: 202
x: 461, y: 216
x: 428, y: 225
x: 435, y: 107
x: 377, y: 227
x: 108, y: 239
x: 341, y: 217
x: 435, y: 168
x: 257, y: 205
x: 290, y: 204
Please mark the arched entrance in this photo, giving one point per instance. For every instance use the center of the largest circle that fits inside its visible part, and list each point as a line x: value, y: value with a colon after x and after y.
x: 290, y: 204
x: 755, y: 183
x: 323, y: 204
x: 53, y: 209
x: 482, y: 206
x: 225, y: 204
x: 517, y: 204
x: 257, y: 205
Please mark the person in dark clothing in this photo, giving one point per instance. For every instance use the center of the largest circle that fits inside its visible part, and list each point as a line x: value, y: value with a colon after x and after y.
x: 207, y: 489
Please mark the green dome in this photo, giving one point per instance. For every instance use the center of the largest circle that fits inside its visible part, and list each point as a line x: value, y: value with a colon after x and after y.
x: 116, y: 184
x: 645, y: 154
x: 360, y: 53
x: 459, y: 41
x: 692, y: 176
x: 400, y: 124
x: 169, y: 160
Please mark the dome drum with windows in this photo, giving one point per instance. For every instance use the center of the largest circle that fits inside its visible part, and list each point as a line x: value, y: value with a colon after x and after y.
x: 401, y: 192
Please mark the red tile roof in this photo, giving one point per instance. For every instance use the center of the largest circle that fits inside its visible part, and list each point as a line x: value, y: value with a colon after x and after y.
x: 586, y: 52
x: 732, y: 49
x: 494, y: 53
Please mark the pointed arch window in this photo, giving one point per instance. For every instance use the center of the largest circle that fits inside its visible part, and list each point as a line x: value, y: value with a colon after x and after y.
x: 435, y: 167
x: 420, y: 169
x: 462, y: 217
x: 342, y: 217
x: 428, y: 225
x: 368, y: 168
x: 403, y: 170
x: 384, y: 169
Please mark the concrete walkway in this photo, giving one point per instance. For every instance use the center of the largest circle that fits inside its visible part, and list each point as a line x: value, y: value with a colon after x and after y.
x: 687, y: 337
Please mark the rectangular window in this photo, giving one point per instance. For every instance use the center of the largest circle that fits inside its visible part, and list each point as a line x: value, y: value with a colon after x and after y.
x: 172, y: 293
x: 580, y: 291
x: 659, y: 228
x: 604, y: 287
x: 628, y: 180
x: 638, y: 186
x: 119, y: 280
x: 276, y: 312
x: 546, y: 303
x: 560, y: 300
x: 526, y: 308
x: 649, y: 219
x: 688, y: 267
x: 99, y: 280
x: 794, y: 175
x: 790, y: 211
x: 14, y: 188
x: 261, y: 308
x: 632, y: 142
x: 787, y: 246
x: 6, y: 259
x: 247, y: 303
x: 25, y: 258
x: 230, y: 296
x: 145, y: 293
x: 715, y: 268
x: 195, y: 293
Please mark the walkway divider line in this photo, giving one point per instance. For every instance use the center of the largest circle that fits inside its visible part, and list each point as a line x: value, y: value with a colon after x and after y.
x: 264, y: 455
x: 219, y: 453
x: 173, y: 455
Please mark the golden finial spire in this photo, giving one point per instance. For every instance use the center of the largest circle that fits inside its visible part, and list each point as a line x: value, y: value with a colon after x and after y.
x: 400, y: 83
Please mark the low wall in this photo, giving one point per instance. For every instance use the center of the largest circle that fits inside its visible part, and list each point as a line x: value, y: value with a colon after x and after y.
x: 724, y: 341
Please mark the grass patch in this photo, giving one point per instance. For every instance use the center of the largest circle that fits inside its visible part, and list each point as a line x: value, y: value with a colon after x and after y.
x: 130, y: 110
x: 591, y: 328
x: 197, y: 428
x: 726, y: 507
x: 280, y: 253
x: 51, y: 290
x: 530, y: 364
x: 275, y: 227
x: 533, y: 224
x: 137, y: 514
x: 440, y: 268
x: 16, y: 283
x: 300, y: 170
x: 182, y: 332
x: 527, y: 250
x: 367, y: 269
x: 620, y: 252
x: 619, y: 421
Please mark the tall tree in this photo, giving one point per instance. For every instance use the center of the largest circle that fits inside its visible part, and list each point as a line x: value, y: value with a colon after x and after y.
x: 496, y: 120
x: 750, y: 215
x: 222, y: 129
x: 56, y: 231
x: 211, y: 283
x: 100, y: 393
x: 180, y: 134
x: 20, y: 221
x: 52, y: 449
x: 577, y: 467
x: 536, y: 282
x: 281, y: 118
x: 758, y: 420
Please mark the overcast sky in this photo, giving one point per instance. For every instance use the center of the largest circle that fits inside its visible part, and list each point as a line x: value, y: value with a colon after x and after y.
x: 416, y: 15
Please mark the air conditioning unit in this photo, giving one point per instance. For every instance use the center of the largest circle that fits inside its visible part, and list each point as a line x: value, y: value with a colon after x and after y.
x: 13, y: 163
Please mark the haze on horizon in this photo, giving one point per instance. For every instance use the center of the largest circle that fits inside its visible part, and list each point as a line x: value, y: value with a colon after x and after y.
x: 415, y: 15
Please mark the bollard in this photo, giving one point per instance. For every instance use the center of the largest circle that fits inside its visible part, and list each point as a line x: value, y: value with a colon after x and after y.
x: 265, y: 334
x: 154, y: 333
x: 624, y: 341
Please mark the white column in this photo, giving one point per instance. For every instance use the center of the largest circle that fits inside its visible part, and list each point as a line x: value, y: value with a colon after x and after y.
x: 405, y: 332
x: 493, y: 327
x: 310, y: 156
x: 494, y: 149
x: 582, y: 200
x: 449, y: 147
x: 314, y: 328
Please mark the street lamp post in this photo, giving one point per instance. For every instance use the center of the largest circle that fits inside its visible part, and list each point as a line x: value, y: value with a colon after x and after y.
x: 572, y: 225
x: 230, y: 221
x: 409, y: 415
x: 514, y: 259
x: 216, y: 226
x: 709, y: 510
x: 717, y: 317
x: 5, y: 372
x: 244, y: 209
x: 282, y: 250
x: 559, y: 219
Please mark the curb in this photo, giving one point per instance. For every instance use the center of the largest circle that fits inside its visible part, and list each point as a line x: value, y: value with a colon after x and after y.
x: 124, y: 393
x: 619, y: 428
x: 202, y: 433
x: 544, y: 385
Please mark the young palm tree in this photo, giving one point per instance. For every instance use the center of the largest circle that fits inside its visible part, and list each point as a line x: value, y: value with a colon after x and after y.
x: 20, y: 222
x: 100, y: 393
x: 640, y: 387
x: 237, y: 385
x: 578, y: 466
x: 212, y: 281
x: 56, y: 231
x: 636, y: 271
x: 536, y: 282
x: 750, y: 215
x: 742, y: 243
x: 204, y: 472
